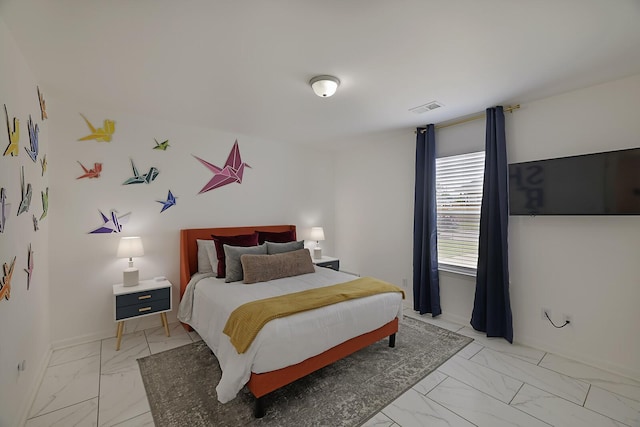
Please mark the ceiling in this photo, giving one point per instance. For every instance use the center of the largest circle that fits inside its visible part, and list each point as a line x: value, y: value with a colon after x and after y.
x: 244, y: 66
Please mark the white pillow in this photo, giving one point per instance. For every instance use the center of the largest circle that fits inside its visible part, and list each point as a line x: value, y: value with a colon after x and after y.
x: 213, y: 257
x: 204, y: 260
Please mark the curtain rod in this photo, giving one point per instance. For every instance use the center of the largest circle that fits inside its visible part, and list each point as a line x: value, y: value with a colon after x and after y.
x: 509, y: 109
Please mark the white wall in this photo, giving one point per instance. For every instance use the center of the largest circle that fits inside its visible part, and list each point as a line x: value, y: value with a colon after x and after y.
x: 584, y: 266
x: 374, y: 208
x: 24, y: 318
x: 285, y: 185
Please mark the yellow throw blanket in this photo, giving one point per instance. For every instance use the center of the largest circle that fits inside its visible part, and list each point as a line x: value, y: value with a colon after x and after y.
x: 247, y: 320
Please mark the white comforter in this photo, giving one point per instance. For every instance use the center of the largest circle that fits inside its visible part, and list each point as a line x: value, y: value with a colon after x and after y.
x: 208, y: 302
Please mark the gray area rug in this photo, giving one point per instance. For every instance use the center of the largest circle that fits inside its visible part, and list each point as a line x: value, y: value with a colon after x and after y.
x: 180, y: 383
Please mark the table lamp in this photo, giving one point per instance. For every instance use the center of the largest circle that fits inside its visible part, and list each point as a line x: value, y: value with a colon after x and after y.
x: 317, y: 234
x: 130, y: 247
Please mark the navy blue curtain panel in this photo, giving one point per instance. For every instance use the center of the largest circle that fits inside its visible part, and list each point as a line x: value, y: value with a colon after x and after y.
x: 426, y: 282
x: 492, y: 306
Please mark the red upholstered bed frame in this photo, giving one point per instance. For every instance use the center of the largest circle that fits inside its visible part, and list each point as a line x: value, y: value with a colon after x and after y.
x: 264, y: 383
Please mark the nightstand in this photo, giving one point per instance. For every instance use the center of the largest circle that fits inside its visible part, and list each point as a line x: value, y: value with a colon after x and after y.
x: 148, y: 297
x: 327, y: 261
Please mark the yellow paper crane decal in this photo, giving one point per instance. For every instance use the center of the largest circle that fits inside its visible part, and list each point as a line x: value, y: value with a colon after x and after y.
x: 101, y: 134
x: 5, y: 284
x: 14, y: 136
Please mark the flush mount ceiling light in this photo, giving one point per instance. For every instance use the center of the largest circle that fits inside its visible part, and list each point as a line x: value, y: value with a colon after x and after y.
x: 324, y: 86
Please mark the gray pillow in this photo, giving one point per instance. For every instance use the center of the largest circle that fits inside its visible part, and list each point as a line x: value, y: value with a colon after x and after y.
x: 261, y: 268
x: 280, y: 248
x: 232, y: 255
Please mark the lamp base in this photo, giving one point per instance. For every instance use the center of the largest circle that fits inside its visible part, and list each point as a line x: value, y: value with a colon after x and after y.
x: 130, y: 277
x: 317, y: 253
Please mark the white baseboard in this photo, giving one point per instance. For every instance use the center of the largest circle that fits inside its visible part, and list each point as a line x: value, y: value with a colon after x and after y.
x: 82, y: 339
x: 35, y: 386
x: 581, y: 357
x: 460, y: 320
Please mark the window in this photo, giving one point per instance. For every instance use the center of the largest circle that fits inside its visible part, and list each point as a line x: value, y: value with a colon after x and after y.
x: 458, y: 199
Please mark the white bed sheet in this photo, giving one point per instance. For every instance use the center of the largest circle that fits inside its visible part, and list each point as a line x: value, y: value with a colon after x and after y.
x: 285, y: 341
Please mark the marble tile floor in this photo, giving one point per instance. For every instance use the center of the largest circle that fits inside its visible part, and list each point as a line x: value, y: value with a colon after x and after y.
x: 92, y: 384
x: 493, y: 383
x: 488, y: 383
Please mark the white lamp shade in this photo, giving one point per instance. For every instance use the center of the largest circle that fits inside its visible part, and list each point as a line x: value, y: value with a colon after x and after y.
x: 324, y: 86
x: 130, y: 247
x: 317, y: 233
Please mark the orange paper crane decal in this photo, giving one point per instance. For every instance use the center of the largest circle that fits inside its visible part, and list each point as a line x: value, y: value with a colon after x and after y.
x: 91, y: 173
x: 100, y: 134
x: 14, y: 136
x: 5, y: 286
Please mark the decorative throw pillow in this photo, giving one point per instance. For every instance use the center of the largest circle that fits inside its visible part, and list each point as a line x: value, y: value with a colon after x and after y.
x: 238, y: 240
x: 261, y: 268
x: 276, y: 236
x: 232, y: 256
x: 213, y: 259
x: 279, y: 248
x: 204, y: 262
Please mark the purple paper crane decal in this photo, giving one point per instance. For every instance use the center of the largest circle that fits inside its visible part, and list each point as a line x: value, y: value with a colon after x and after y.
x: 166, y: 204
x: 33, y: 149
x: 112, y: 223
x: 231, y: 172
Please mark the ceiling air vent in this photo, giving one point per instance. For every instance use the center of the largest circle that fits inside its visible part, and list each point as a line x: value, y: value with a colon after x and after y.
x: 426, y: 107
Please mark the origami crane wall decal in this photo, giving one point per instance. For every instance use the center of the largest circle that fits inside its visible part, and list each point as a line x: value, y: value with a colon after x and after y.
x: 29, y: 269
x: 166, y: 204
x: 4, y: 209
x: 161, y: 145
x: 102, y: 134
x: 43, y: 107
x: 231, y: 172
x: 43, y: 164
x: 146, y: 178
x: 33, y: 150
x: 112, y: 223
x: 91, y: 173
x: 26, y: 195
x: 14, y: 136
x: 5, y: 285
x: 45, y: 203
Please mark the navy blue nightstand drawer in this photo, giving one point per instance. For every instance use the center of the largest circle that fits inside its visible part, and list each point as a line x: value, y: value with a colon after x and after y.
x: 142, y: 297
x: 142, y: 308
x: 334, y: 265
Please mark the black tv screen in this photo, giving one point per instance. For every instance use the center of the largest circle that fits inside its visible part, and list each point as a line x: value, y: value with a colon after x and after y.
x: 592, y: 184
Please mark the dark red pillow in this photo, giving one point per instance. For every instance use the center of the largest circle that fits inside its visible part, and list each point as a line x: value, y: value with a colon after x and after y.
x: 276, y: 237
x: 238, y: 240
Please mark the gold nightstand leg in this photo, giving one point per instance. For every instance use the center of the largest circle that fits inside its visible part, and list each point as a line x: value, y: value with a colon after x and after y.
x: 165, y: 323
x: 119, y: 334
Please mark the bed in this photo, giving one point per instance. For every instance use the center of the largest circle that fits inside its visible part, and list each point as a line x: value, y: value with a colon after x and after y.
x: 337, y: 330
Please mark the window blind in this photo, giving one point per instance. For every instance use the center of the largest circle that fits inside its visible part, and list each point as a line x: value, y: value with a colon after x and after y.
x: 458, y: 199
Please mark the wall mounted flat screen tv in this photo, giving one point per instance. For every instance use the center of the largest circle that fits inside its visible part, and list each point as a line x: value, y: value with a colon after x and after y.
x: 592, y: 184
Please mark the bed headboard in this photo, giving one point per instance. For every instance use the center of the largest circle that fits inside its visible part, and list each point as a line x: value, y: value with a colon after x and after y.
x: 189, y: 247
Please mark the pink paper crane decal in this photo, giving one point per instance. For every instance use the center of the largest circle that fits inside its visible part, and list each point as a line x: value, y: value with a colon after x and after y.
x: 231, y: 172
